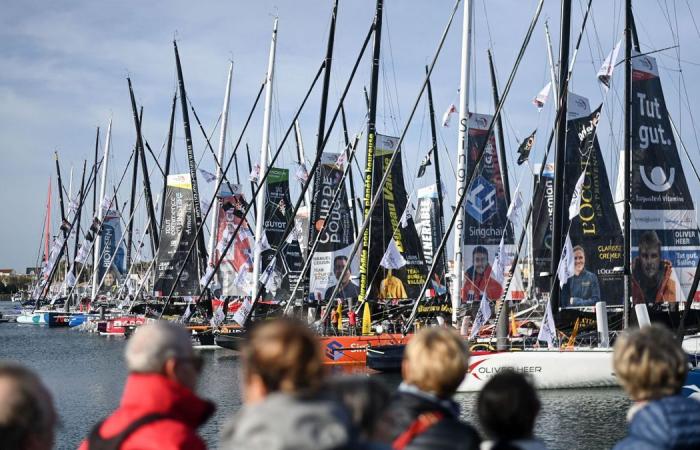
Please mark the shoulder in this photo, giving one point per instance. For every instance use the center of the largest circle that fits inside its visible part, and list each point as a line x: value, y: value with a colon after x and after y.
x: 164, y: 434
x: 448, y: 433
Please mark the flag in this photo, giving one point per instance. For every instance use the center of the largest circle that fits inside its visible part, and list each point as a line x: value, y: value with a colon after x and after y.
x: 204, y: 281
x: 188, y: 312
x: 219, y: 317
x: 424, y: 164
x: 575, y: 205
x: 82, y: 255
x: 342, y: 159
x: 70, y: 279
x: 606, y: 70
x: 526, y: 147
x: 446, y: 117
x: 566, y: 263
x: 241, y: 276
x: 392, y: 259
x: 515, y: 208
x: 242, y: 312
x: 255, y: 174
x: 269, y: 270
x: 541, y: 98
x: 482, y: 316
x: 208, y: 176
x: 407, y: 213
x: 301, y: 173
x: 547, y: 330
x: 499, y: 263
x: 106, y: 204
x: 262, y: 244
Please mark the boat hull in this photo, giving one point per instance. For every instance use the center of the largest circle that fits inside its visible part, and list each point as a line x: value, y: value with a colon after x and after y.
x: 351, y: 350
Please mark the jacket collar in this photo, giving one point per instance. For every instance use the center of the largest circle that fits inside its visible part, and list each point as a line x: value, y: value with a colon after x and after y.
x: 444, y: 403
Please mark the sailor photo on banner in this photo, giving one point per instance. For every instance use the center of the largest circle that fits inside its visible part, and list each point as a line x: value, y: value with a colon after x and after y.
x: 665, y: 239
x: 235, y: 270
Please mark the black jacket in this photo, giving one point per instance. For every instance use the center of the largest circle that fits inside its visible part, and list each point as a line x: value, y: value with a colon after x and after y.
x: 448, y: 434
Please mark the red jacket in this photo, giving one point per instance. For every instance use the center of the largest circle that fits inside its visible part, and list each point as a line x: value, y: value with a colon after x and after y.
x: 477, y: 283
x: 154, y: 393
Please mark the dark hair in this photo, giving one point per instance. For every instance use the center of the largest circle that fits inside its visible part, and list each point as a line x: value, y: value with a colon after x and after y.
x: 650, y: 238
x: 480, y: 249
x: 507, y: 407
x: 343, y: 257
x: 364, y: 398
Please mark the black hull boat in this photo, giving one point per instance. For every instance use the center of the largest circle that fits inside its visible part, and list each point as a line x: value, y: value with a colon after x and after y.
x: 385, y: 358
x: 234, y: 340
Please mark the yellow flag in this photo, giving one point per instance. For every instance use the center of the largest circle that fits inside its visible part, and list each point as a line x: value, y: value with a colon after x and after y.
x: 366, y: 321
x: 339, y: 311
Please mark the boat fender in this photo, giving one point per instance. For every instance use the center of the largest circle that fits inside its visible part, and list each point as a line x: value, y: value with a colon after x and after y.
x: 482, y: 347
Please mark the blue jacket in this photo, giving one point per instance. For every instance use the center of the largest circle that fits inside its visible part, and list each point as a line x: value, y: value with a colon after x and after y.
x: 669, y: 423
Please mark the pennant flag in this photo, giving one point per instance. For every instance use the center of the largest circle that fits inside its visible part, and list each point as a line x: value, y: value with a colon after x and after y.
x: 448, y: 114
x: 606, y: 70
x: 575, y: 205
x: 208, y: 176
x: 547, y: 330
x: 566, y: 263
x: 482, y: 316
x: 255, y: 173
x: 526, y: 147
x: 301, y: 173
x: 392, y: 259
x: 424, y: 164
x: 542, y: 96
x: 242, y: 312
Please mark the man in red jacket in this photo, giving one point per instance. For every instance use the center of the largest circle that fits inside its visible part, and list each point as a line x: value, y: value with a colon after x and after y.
x: 159, y: 409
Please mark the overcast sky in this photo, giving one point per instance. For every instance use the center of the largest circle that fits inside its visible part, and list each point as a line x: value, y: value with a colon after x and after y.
x: 64, y: 67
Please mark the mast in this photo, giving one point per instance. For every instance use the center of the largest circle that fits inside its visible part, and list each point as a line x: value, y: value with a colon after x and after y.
x: 132, y: 206
x: 438, y: 179
x: 353, y: 199
x: 326, y: 79
x: 220, y: 161
x: 100, y: 211
x: 560, y: 158
x: 499, y: 132
x: 371, y: 138
x: 47, y: 223
x: 628, y: 160
x: 462, y: 142
x: 552, y: 69
x: 60, y: 202
x: 94, y: 189
x: 261, y: 198
x: 190, y: 159
x: 144, y: 173
x: 80, y: 211
x: 168, y: 154
x: 238, y: 174
x: 301, y: 157
x: 252, y: 183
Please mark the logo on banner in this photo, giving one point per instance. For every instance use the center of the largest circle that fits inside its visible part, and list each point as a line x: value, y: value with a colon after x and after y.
x: 481, y: 203
x: 658, y: 182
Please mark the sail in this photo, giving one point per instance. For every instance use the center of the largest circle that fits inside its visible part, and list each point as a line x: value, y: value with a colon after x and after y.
x: 111, y: 262
x: 486, y: 215
x: 595, y: 233
x: 177, y: 236
x: 336, y: 242
x: 542, y: 207
x: 239, y: 257
x: 665, y: 240
x: 277, y: 214
x: 428, y: 228
x: 390, y: 219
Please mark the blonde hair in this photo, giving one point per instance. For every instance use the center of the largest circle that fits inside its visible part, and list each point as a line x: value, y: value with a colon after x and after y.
x: 650, y: 363
x: 436, y: 361
x: 285, y: 354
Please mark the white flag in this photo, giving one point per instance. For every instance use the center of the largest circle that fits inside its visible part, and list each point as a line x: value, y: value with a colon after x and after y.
x: 255, y: 173
x: 566, y: 263
x: 499, y: 263
x: 70, y: 279
x: 208, y: 176
x: 82, y: 255
x: 446, y: 117
x: 301, y: 173
x: 482, y: 316
x: 547, y: 330
x: 219, y: 316
x: 407, y: 213
x: 269, y: 270
x: 207, y: 276
x: 106, y: 204
x: 262, y: 244
x: 606, y: 70
x: 392, y: 259
x: 242, y: 312
x: 541, y: 98
x: 575, y: 205
x: 241, y: 276
x: 515, y: 208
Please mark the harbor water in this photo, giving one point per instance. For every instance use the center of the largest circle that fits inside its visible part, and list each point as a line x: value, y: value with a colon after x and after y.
x: 86, y: 373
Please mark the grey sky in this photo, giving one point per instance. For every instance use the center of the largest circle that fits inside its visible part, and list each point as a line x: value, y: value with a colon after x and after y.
x: 64, y: 66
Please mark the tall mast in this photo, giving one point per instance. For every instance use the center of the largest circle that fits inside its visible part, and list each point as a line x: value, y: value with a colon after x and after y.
x: 132, y: 206
x: 301, y: 156
x: 350, y: 177
x: 190, y: 159
x: 326, y: 79
x: 168, y: 154
x: 47, y: 223
x: 629, y: 22
x: 220, y: 159
x: 499, y: 132
x: 552, y: 65
x: 462, y: 142
x: 79, y: 213
x: 100, y: 211
x: 60, y: 200
x: 438, y: 179
x: 560, y: 157
x: 94, y: 168
x: 252, y: 183
x: 371, y: 140
x: 262, y: 194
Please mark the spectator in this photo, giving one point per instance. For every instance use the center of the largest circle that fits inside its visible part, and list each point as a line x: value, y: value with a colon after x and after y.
x: 422, y: 415
x: 282, y: 373
x: 27, y: 415
x: 159, y: 408
x: 365, y: 398
x: 507, y: 407
x: 652, y: 367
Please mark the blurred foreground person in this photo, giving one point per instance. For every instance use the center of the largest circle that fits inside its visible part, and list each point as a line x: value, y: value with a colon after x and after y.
x: 507, y: 407
x: 159, y: 409
x: 422, y: 415
x: 652, y: 367
x: 27, y: 415
x: 282, y: 375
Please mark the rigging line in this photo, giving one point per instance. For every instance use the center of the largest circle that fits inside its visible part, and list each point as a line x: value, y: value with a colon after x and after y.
x: 396, y: 114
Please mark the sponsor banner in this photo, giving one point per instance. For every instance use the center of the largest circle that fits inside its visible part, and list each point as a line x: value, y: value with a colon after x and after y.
x: 112, y: 260
x: 543, y: 205
x: 595, y: 232
x: 664, y: 227
x: 240, y: 254
x: 177, y: 235
x: 336, y: 242
x: 428, y: 227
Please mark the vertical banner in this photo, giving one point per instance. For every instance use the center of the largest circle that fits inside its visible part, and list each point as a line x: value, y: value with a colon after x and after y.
x: 428, y: 228
x: 112, y: 264
x: 542, y: 209
x: 177, y: 235
x: 596, y: 235
x: 240, y: 255
x: 336, y: 242
x: 665, y: 240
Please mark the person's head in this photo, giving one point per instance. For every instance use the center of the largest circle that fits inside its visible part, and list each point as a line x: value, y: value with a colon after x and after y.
x: 166, y: 348
x: 281, y: 355
x: 579, y: 259
x: 650, y: 254
x: 480, y: 259
x: 436, y: 361
x: 365, y: 398
x: 27, y: 414
x: 109, y: 279
x: 507, y: 407
x: 339, y: 264
x: 649, y: 363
